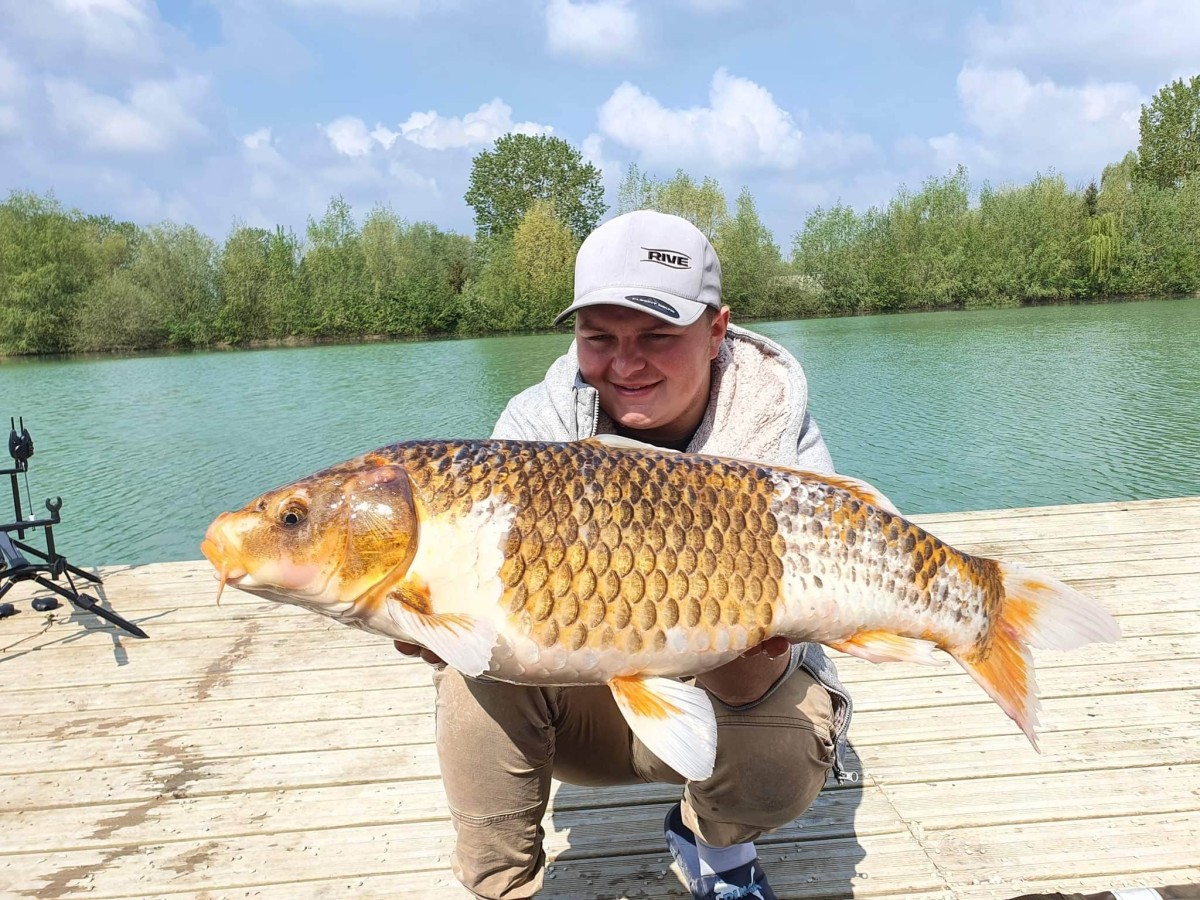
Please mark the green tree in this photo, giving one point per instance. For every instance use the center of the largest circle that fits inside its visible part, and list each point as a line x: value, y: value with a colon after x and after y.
x: 491, y: 300
x: 1103, y: 243
x: 178, y: 266
x: 544, y: 255
x: 703, y: 204
x: 828, y: 251
x: 750, y: 260
x: 49, y: 259
x: 1169, y: 148
x: 441, y: 264
x: 244, y: 281
x: 636, y: 191
x: 386, y: 265
x: 118, y: 313
x: 1029, y: 243
x: 522, y: 169
x: 334, y: 273
x: 288, y: 311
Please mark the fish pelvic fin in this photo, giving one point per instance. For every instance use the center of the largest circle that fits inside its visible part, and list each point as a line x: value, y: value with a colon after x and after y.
x: 464, y: 642
x: 1040, y: 612
x: 674, y: 720
x: 884, y: 646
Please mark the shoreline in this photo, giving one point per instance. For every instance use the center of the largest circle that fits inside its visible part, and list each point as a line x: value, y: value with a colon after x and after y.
x: 298, y: 341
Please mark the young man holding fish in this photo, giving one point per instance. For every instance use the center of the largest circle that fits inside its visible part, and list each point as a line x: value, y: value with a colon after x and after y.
x: 655, y: 359
x: 631, y: 604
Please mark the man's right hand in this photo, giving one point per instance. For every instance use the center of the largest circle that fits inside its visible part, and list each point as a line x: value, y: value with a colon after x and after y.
x: 417, y: 650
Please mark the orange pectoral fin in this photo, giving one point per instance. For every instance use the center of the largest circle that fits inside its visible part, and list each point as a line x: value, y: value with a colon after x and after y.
x: 464, y: 642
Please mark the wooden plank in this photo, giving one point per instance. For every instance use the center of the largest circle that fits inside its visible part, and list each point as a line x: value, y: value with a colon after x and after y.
x: 1131, y: 843
x: 1048, y: 797
x: 623, y: 825
x: 927, y: 761
x: 174, y: 766
x: 257, y: 727
x: 422, y: 847
x: 35, y: 739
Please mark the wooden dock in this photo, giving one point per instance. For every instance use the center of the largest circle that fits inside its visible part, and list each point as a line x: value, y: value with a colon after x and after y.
x: 254, y: 750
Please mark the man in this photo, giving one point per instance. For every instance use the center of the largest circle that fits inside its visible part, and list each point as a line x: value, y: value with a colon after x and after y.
x: 654, y: 359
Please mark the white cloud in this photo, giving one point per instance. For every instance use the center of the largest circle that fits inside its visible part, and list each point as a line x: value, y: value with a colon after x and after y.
x: 431, y: 130
x: 385, y: 136
x: 157, y: 114
x: 120, y: 29
x: 349, y: 136
x: 742, y: 127
x: 257, y: 140
x: 490, y: 121
x: 998, y: 100
x: 1122, y: 38
x: 601, y: 31
x: 1025, y: 125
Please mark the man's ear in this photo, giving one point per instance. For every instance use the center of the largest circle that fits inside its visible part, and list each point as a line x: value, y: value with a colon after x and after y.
x: 716, y: 332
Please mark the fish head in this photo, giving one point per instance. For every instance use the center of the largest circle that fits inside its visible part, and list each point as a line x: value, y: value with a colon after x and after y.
x: 321, y: 542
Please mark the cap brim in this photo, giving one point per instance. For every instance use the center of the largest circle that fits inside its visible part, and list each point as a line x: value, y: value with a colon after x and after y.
x: 670, y: 308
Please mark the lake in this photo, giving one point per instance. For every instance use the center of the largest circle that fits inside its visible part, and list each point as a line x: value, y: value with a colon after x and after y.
x: 941, y: 411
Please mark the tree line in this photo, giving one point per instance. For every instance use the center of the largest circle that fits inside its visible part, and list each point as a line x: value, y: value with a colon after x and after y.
x: 75, y: 282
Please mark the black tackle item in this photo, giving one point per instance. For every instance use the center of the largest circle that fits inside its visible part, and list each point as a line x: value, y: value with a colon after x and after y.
x: 21, y: 562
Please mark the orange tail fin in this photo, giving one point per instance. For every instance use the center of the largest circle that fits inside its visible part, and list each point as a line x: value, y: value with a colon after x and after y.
x: 1037, y: 612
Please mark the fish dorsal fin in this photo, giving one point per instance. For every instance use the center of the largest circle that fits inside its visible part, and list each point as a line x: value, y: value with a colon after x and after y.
x: 620, y: 442
x: 860, y: 489
x: 856, y: 488
x: 674, y: 720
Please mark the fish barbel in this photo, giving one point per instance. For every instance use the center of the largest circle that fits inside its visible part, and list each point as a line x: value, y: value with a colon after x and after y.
x: 608, y: 561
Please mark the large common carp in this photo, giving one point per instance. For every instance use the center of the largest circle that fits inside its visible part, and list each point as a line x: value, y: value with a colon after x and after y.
x: 608, y: 561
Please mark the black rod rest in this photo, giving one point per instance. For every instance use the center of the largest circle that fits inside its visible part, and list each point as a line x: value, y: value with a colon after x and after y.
x: 21, y: 562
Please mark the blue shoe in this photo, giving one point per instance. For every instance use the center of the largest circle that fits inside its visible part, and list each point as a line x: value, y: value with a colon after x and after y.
x: 748, y: 881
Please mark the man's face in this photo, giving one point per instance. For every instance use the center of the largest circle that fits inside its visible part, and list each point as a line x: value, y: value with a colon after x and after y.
x: 652, y: 377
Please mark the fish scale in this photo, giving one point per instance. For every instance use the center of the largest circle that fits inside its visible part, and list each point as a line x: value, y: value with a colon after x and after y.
x: 604, y: 561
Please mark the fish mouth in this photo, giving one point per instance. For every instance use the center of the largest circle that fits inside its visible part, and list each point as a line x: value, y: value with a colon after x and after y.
x: 229, y: 568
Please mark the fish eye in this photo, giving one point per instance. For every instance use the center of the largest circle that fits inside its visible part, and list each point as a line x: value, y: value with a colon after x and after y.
x: 293, y: 514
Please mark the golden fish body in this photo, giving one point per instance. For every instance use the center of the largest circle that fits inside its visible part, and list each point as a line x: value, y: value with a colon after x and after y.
x: 602, y: 561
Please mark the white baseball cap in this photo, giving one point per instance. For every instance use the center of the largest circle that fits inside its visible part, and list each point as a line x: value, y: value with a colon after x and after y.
x: 649, y: 261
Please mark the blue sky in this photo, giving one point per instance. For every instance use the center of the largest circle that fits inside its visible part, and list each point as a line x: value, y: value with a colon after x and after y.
x: 258, y: 111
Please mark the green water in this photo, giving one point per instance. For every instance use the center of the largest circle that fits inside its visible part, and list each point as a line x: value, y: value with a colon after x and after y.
x: 942, y: 411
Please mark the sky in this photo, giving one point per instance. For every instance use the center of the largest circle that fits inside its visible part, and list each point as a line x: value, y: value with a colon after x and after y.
x: 223, y: 112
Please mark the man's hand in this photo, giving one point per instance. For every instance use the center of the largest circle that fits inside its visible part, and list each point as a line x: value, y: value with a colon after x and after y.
x: 417, y: 650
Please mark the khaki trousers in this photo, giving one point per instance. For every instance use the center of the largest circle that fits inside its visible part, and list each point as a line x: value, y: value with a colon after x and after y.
x: 499, y: 745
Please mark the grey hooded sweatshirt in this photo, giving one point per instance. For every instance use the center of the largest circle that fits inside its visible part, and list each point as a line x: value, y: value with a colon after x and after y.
x: 757, y: 410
